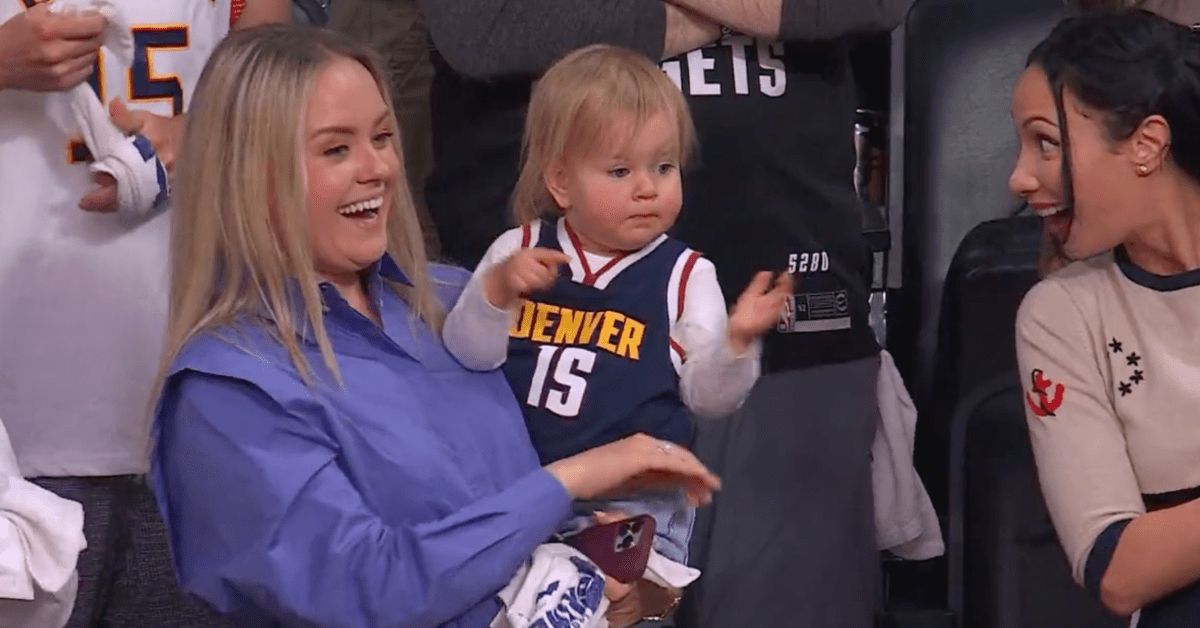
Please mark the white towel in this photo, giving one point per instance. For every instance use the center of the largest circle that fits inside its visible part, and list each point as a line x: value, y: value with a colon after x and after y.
x: 558, y: 586
x: 905, y: 521
x: 41, y: 536
x: 45, y: 610
x: 142, y: 182
x: 667, y: 573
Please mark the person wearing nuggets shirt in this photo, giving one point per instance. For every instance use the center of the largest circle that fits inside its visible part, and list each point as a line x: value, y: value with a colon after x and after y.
x: 622, y: 329
x: 1109, y: 129
x: 82, y: 258
x: 770, y: 89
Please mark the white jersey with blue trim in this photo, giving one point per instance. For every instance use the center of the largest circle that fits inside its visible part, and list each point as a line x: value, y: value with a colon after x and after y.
x: 83, y: 295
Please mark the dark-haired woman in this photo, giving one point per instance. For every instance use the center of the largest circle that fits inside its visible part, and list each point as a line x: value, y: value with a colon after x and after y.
x: 1108, y: 115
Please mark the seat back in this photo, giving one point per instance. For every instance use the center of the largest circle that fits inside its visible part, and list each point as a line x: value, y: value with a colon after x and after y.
x: 315, y: 12
x: 994, y: 267
x: 962, y: 58
x: 1007, y: 568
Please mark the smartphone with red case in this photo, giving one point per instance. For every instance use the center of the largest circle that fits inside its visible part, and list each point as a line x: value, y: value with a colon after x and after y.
x: 620, y: 549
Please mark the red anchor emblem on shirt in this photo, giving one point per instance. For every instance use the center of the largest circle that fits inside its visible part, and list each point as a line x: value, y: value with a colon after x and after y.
x: 1043, y: 406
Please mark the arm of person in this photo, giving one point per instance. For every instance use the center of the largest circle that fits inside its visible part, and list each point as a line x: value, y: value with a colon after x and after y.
x: 475, y: 331
x: 715, y: 378
x: 687, y: 30
x: 802, y: 20
x: 164, y: 133
x: 45, y: 51
x: 265, y: 521
x: 1121, y: 554
x: 498, y: 39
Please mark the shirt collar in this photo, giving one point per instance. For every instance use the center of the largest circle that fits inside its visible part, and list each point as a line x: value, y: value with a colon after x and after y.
x: 385, y: 268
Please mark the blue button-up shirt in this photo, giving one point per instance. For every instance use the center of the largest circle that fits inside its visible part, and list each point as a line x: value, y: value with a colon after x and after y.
x: 407, y: 498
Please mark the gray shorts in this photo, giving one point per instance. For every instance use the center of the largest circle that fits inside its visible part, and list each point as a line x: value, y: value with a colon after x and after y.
x: 126, y: 577
x: 790, y: 539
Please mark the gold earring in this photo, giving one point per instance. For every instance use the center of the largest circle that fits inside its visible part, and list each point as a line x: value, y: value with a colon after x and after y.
x: 1143, y: 169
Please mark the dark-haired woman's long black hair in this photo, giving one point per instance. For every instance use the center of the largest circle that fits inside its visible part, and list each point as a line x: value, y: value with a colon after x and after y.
x: 1127, y: 65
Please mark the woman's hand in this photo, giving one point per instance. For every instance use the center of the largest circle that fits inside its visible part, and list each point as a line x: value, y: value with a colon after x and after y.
x: 624, y: 603
x: 633, y: 464
x: 629, y: 604
x: 624, y: 600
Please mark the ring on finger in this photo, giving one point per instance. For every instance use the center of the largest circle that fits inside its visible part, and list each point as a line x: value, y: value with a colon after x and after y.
x: 665, y: 447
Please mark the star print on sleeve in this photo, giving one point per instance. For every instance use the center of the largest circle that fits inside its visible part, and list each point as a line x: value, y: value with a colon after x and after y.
x: 1134, y: 362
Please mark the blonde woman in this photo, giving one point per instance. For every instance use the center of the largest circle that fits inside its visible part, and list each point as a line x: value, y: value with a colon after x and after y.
x: 321, y: 460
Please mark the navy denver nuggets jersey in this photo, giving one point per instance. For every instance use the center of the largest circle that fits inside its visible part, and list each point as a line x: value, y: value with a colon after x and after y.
x: 590, y: 360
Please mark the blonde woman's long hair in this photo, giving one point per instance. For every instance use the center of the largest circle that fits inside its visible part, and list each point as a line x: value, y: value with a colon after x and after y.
x: 577, y: 106
x: 232, y: 255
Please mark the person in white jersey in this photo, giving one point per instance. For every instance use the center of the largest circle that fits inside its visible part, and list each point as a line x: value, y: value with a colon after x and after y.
x: 1108, y: 116
x: 83, y: 286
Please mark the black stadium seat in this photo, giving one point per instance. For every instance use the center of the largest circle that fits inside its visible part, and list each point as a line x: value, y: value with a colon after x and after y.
x: 967, y: 261
x: 994, y: 267
x: 1007, y: 569
x: 961, y: 60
